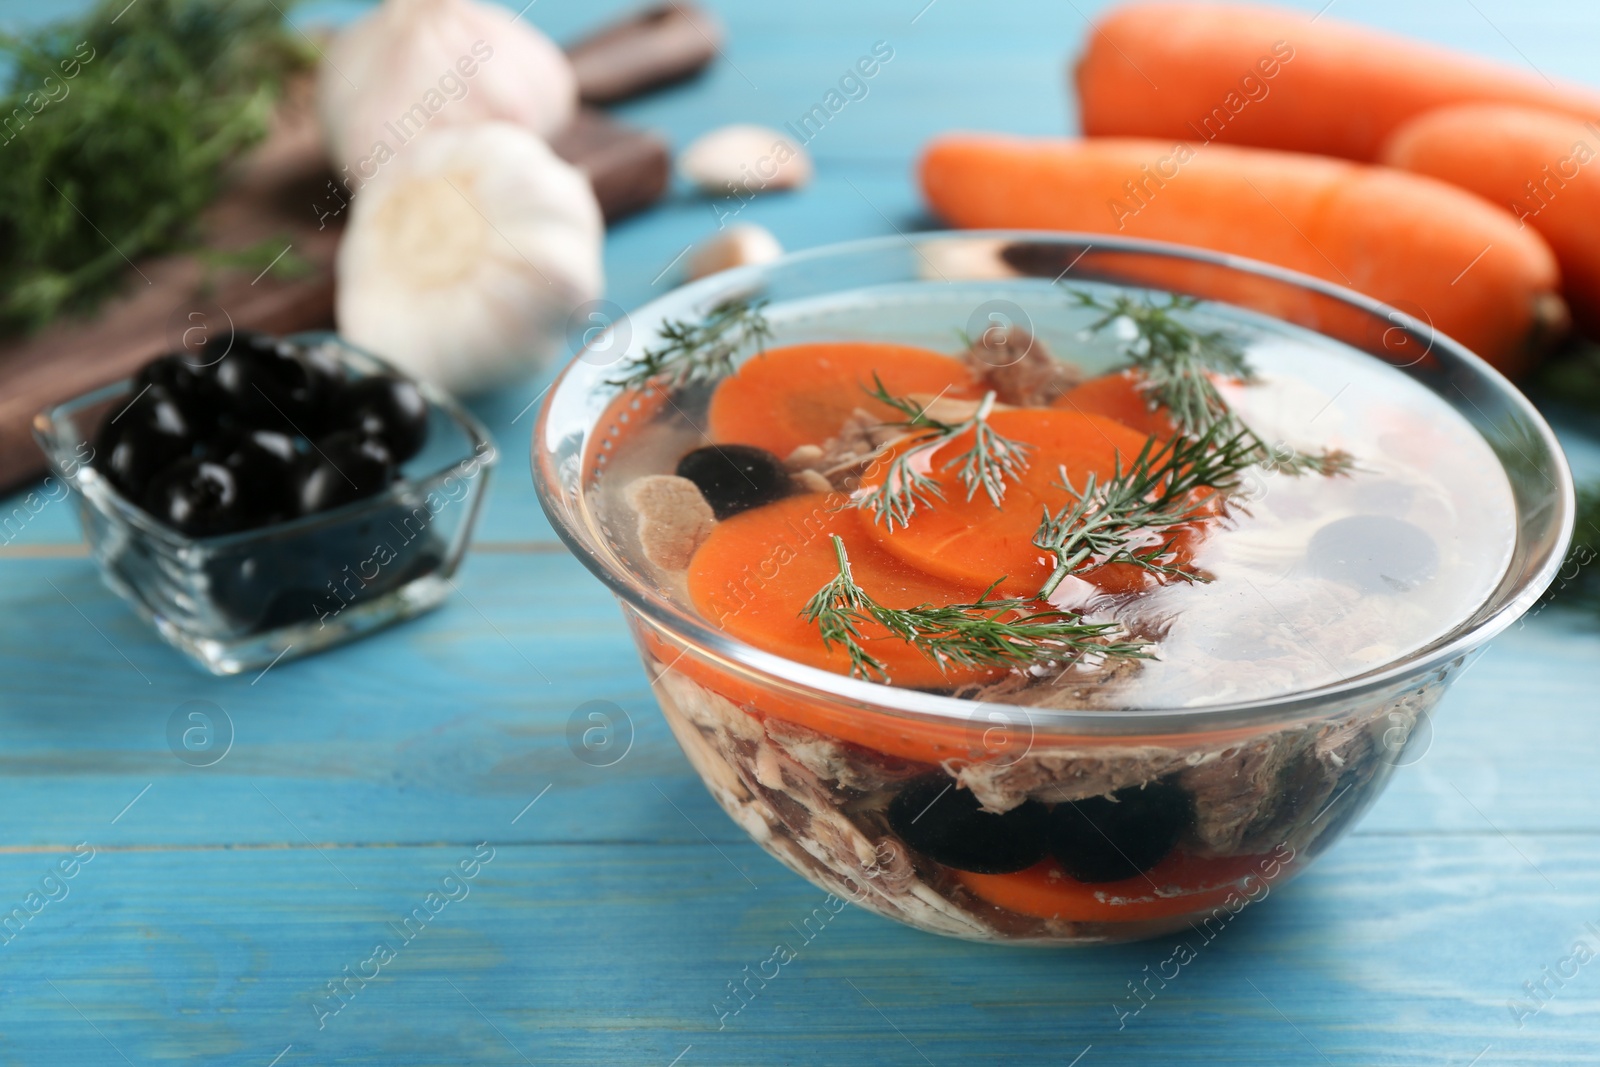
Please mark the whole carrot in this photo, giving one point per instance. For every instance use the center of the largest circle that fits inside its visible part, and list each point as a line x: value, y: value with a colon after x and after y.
x: 1413, y: 241
x: 1253, y: 75
x: 1542, y: 166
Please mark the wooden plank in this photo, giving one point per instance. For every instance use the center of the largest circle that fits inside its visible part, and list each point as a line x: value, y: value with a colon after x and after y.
x: 436, y: 728
x: 583, y: 954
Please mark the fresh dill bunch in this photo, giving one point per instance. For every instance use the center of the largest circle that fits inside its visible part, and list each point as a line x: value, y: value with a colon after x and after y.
x: 116, y: 130
x: 1177, y: 363
x: 264, y: 256
x: 992, y: 459
x: 1577, y: 585
x: 698, y: 352
x: 985, y: 633
x: 1162, y: 488
x: 1571, y: 376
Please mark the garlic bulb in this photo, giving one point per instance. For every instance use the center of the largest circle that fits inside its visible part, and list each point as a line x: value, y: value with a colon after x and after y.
x: 415, y: 65
x: 465, y: 256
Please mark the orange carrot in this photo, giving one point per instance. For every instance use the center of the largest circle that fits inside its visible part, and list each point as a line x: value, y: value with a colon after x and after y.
x: 1186, y: 884
x: 923, y: 741
x: 1117, y: 396
x: 1541, y: 165
x: 757, y: 570
x: 972, y: 542
x: 803, y: 394
x: 1271, y: 77
x: 1405, y: 239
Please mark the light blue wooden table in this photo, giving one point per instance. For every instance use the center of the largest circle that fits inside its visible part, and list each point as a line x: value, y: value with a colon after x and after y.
x: 221, y: 901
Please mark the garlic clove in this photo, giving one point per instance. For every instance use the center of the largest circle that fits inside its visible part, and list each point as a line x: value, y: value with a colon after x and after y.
x: 734, y: 247
x: 465, y: 256
x: 417, y: 65
x: 744, y: 160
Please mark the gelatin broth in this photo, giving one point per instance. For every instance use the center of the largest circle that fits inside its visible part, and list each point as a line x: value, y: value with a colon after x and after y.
x: 1315, y: 579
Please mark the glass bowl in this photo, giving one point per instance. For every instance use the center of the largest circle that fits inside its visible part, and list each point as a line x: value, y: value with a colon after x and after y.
x: 808, y: 761
x: 245, y: 600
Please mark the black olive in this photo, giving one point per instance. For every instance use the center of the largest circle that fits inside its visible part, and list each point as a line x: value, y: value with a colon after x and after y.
x: 388, y: 408
x: 197, y: 497
x: 735, y: 478
x: 331, y: 381
x: 266, y: 466
x: 1107, y: 839
x: 342, y: 468
x: 190, y: 382
x: 943, y: 822
x: 144, y: 437
x: 274, y: 384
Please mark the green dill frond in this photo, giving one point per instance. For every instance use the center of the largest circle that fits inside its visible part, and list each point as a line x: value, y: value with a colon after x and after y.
x: 698, y: 352
x: 837, y: 610
x: 1577, y: 585
x: 987, y: 464
x: 1178, y: 365
x: 985, y: 633
x: 915, y: 415
x: 116, y: 130
x: 1165, y: 486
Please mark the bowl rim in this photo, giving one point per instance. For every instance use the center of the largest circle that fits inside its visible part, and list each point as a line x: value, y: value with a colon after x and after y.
x: 108, y: 498
x: 871, y: 698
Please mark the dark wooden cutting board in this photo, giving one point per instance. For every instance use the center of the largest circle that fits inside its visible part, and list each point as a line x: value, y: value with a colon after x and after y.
x: 275, y: 198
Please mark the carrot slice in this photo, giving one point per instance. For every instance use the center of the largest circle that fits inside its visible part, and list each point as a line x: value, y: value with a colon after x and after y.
x: 972, y: 542
x: 802, y: 394
x: 1178, y: 885
x: 925, y: 741
x: 757, y: 570
x: 1117, y: 396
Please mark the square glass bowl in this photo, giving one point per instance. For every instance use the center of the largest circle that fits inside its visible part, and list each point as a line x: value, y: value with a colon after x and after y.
x: 245, y: 600
x: 811, y: 763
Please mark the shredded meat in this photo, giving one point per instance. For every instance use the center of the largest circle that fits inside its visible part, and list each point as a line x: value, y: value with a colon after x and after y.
x: 819, y: 804
x: 841, y: 459
x: 1019, y: 368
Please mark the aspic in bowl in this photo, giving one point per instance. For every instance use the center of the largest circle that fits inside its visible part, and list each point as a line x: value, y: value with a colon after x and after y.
x: 1022, y: 588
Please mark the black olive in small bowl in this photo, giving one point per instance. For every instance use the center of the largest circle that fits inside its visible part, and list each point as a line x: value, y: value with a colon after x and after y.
x: 267, y: 465
x: 389, y: 409
x: 148, y: 434
x: 197, y: 497
x: 343, y: 468
x: 267, y: 498
x: 274, y: 384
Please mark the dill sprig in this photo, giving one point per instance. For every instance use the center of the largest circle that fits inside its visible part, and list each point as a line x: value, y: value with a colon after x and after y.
x: 698, y: 352
x: 985, y: 633
x: 1165, y: 486
x: 1178, y: 362
x: 986, y: 465
x: 119, y: 128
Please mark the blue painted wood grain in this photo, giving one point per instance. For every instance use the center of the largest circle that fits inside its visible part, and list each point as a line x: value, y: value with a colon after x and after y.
x: 221, y: 900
